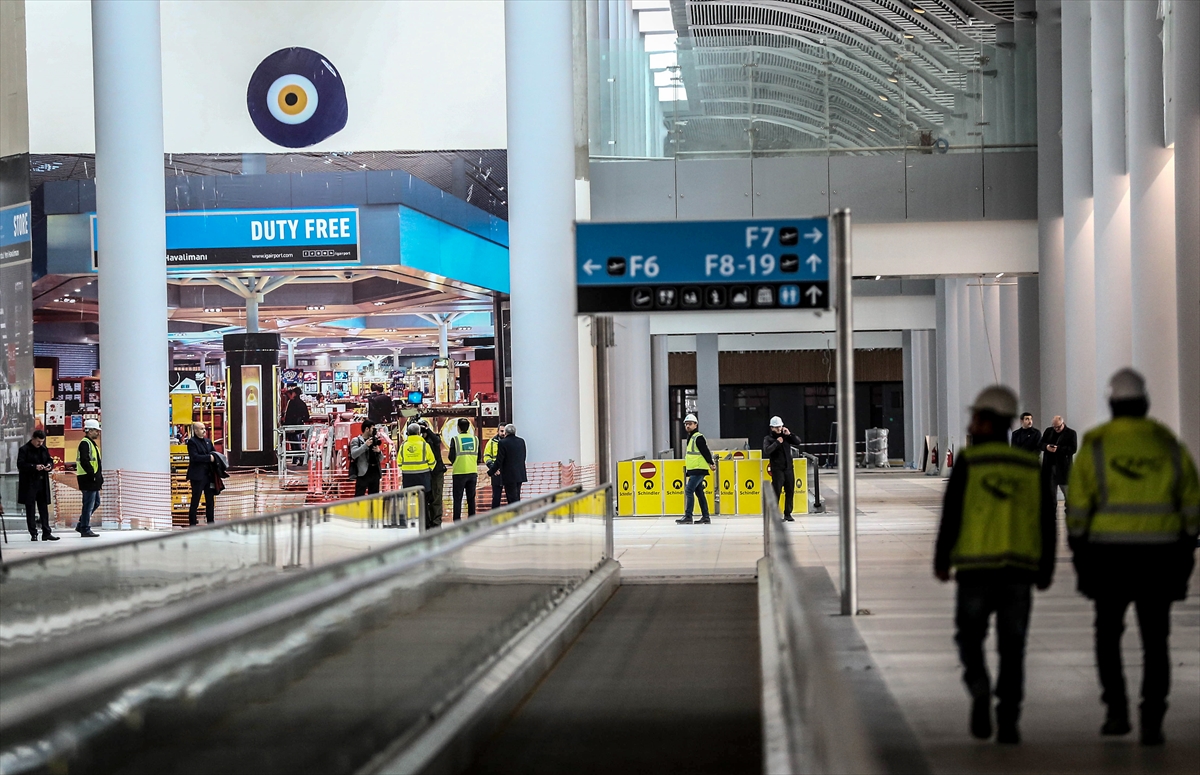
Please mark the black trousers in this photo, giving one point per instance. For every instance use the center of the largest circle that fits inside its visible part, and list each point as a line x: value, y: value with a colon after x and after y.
x: 1154, y: 622
x: 1011, y: 603
x: 512, y: 491
x: 497, y: 490
x: 424, y: 480
x: 784, y: 482
x: 31, y: 520
x: 464, y: 484
x: 209, y: 505
x: 367, y: 485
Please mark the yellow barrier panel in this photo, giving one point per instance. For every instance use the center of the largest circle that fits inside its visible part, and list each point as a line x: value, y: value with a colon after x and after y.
x: 625, y: 488
x: 737, y: 454
x: 674, y: 499
x: 727, y: 487
x: 800, y: 502
x: 749, y: 486
x: 362, y: 510
x: 648, y: 499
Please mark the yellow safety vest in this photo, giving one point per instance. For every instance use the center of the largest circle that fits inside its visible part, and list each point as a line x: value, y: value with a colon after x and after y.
x: 79, y: 470
x: 491, y: 450
x: 415, y: 455
x: 1132, y: 483
x: 466, y: 457
x: 1001, y: 509
x: 693, y: 460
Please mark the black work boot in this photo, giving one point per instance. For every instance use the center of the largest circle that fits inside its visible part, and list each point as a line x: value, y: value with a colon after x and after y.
x: 1117, y: 720
x: 1007, y: 732
x: 683, y: 521
x: 704, y: 521
x: 49, y: 537
x: 788, y: 518
x: 1151, y: 725
x: 981, y: 716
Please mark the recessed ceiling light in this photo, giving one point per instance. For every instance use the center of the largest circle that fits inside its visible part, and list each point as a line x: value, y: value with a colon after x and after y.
x: 908, y: 36
x: 999, y: 275
x: 893, y: 79
x: 885, y: 99
x: 878, y: 114
x: 79, y: 290
x: 212, y: 309
x: 878, y: 277
x: 918, y: 9
x: 870, y: 129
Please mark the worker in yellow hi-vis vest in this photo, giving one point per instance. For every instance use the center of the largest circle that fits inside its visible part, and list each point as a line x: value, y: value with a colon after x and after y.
x: 998, y: 534
x: 697, y: 462
x: 464, y: 468
x: 1133, y: 511
x: 416, y: 466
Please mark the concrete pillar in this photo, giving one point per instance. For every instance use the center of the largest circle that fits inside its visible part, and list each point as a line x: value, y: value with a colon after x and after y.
x: 946, y: 301
x: 919, y: 394
x: 1079, y: 296
x: 252, y: 313
x: 1110, y: 184
x: 630, y: 388
x: 967, y: 384
x: 1155, y: 335
x: 982, y: 358
x: 1010, y: 338
x: 1185, y: 57
x: 660, y: 392
x: 708, y: 385
x: 443, y: 324
x: 132, y: 287
x: 1048, y: 289
x: 541, y: 173
x: 1029, y: 349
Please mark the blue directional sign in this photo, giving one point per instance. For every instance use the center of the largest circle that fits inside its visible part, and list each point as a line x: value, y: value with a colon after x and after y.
x: 687, y: 266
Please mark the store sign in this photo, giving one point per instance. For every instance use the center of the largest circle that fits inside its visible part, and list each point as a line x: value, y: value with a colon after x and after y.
x: 205, y: 238
x: 16, y: 233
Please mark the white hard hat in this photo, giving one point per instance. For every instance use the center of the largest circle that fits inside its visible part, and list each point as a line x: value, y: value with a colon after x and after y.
x: 776, y: 422
x: 691, y: 418
x: 91, y: 425
x: 996, y: 399
x: 1126, y: 385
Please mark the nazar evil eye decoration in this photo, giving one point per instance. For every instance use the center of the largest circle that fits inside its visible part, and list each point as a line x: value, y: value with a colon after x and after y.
x: 296, y: 98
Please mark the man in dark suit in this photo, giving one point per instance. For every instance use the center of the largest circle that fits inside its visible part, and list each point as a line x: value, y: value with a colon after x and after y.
x: 1059, y: 445
x: 1027, y: 437
x: 510, y: 462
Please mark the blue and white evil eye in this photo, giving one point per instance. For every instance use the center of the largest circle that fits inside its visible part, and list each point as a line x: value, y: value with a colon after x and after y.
x: 296, y: 98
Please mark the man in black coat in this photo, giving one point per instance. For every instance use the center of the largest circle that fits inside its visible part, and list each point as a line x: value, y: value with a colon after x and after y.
x: 777, y: 448
x: 379, y: 406
x: 437, y: 475
x: 33, y: 484
x: 1027, y: 437
x: 510, y: 462
x: 1059, y: 445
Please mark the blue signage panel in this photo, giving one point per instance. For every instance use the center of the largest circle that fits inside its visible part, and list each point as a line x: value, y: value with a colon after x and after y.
x: 16, y: 233
x: 702, y: 265
x: 221, y: 237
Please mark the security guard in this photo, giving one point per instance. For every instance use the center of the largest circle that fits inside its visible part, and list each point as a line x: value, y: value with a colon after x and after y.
x: 1133, y: 511
x: 697, y: 462
x: 998, y: 533
x: 491, y: 451
x: 416, y: 464
x: 464, y: 470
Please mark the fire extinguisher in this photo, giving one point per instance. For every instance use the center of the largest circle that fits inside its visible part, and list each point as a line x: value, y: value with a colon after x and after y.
x: 949, y: 458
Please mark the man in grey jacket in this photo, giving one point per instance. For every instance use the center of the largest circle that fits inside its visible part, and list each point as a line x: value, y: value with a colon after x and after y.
x: 365, y: 460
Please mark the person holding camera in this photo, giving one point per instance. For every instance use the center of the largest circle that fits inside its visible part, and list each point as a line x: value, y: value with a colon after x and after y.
x: 365, y: 465
x: 777, y: 448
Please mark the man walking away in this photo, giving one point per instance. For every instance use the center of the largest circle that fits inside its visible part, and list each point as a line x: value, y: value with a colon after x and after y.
x: 777, y: 448
x: 697, y: 462
x: 89, y: 473
x: 1059, y: 443
x: 510, y: 462
x: 34, y: 465
x: 416, y: 464
x: 998, y: 534
x: 1027, y: 437
x: 365, y: 461
x: 464, y: 470
x: 438, y: 474
x: 491, y: 452
x: 1133, y: 512
x: 379, y: 406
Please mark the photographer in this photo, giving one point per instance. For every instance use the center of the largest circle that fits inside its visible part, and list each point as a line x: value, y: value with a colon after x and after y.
x: 777, y: 447
x: 365, y: 464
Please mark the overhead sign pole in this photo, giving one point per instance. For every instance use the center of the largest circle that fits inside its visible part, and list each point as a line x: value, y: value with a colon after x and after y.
x: 848, y: 539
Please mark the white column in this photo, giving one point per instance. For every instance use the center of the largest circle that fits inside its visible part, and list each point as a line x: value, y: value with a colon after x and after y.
x: 1079, y: 294
x: 982, y: 361
x: 1010, y: 341
x: 630, y: 388
x: 966, y: 367
x: 1029, y: 350
x: 1110, y: 184
x: 1155, y: 338
x: 946, y: 301
x: 708, y: 385
x: 541, y: 174
x: 131, y: 218
x: 1049, y: 287
x: 1186, y: 61
x: 660, y: 392
x: 919, y: 394
x: 443, y: 324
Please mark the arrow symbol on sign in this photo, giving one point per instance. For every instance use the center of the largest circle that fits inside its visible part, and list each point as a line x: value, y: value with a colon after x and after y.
x: 813, y: 262
x: 814, y: 235
x: 589, y: 267
x: 813, y: 293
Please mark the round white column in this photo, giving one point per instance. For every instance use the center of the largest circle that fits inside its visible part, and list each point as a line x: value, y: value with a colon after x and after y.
x: 1050, y: 320
x: 1186, y: 60
x: 1010, y: 342
x: 1155, y: 336
x: 1110, y: 186
x: 946, y: 301
x: 966, y: 371
x: 131, y: 220
x: 1079, y: 283
x: 541, y: 174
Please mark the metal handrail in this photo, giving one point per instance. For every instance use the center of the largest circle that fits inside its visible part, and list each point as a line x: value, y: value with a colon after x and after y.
x: 820, y: 724
x: 131, y: 665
